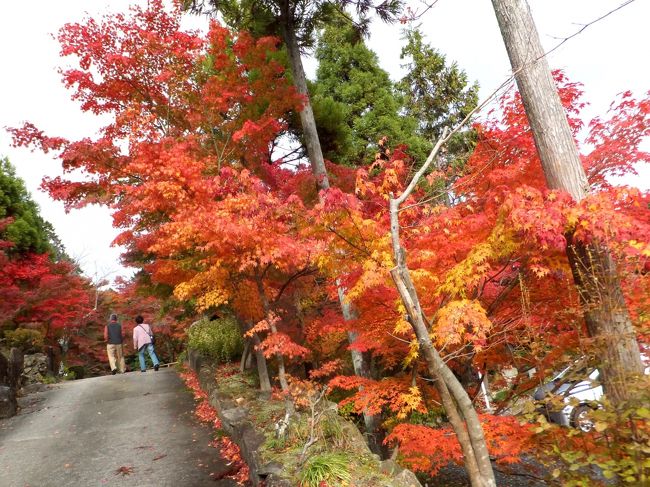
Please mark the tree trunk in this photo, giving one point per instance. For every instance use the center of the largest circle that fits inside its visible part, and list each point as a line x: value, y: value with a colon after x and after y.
x: 361, y: 369
x: 458, y: 406
x: 315, y: 154
x: 594, y: 270
x: 282, y: 375
x: 260, y: 362
x: 245, y: 356
x: 606, y: 317
x: 307, y: 121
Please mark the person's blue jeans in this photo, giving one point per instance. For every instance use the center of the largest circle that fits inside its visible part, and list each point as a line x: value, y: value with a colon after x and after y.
x: 149, y: 348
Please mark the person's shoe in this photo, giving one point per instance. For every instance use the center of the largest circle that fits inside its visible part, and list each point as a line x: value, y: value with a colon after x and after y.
x: 114, y: 371
x: 156, y: 367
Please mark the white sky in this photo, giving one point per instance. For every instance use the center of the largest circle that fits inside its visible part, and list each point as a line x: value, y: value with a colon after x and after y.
x: 608, y: 58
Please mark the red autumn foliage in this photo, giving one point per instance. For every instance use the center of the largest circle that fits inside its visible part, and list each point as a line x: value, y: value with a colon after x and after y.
x: 36, y: 290
x: 205, y: 207
x: 426, y: 449
x: 206, y: 413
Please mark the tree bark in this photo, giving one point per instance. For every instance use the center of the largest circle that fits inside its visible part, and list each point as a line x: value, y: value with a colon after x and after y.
x: 282, y: 375
x: 315, y: 154
x: 307, y: 121
x: 361, y: 369
x: 458, y: 406
x: 260, y: 362
x: 594, y: 271
x: 245, y: 356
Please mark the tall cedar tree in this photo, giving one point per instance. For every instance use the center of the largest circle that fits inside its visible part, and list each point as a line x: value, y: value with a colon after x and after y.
x: 355, y: 102
x: 594, y: 269
x: 437, y: 95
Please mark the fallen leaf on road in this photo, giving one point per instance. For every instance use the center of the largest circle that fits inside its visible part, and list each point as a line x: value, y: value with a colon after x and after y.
x: 124, y: 470
x: 67, y: 465
x: 159, y: 457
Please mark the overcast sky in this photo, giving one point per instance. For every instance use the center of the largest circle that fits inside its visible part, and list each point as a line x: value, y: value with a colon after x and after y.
x: 608, y: 58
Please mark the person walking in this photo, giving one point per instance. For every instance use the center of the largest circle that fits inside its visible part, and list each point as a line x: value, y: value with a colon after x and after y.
x: 143, y: 340
x: 114, y: 338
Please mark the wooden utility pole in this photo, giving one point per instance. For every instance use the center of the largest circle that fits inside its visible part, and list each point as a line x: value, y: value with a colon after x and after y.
x: 594, y: 270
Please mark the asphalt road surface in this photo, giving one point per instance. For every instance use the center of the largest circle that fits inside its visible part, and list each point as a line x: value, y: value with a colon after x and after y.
x: 132, y: 429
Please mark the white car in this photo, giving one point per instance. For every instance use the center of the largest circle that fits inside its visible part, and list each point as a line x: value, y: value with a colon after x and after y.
x: 579, y: 398
x: 581, y: 393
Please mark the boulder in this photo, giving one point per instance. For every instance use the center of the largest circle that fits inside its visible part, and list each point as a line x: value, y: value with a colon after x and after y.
x: 35, y: 368
x: 16, y: 363
x: 8, y: 404
x: 406, y: 478
x: 4, y: 370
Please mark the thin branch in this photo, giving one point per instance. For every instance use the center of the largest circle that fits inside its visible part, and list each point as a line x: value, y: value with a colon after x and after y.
x: 347, y: 241
x: 398, y: 338
x: 301, y: 273
x: 584, y: 27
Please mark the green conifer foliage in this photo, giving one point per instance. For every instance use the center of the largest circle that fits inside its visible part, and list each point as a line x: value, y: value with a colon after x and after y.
x: 355, y: 102
x: 27, y: 230
x: 436, y: 94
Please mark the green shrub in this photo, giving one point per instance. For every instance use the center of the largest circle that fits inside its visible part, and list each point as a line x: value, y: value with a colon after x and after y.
x: 331, y: 468
x: 219, y: 339
x: 79, y: 371
x: 25, y: 339
x: 68, y: 374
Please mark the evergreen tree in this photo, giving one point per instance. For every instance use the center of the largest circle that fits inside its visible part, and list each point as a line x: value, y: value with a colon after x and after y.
x: 27, y: 230
x: 437, y: 95
x: 355, y: 103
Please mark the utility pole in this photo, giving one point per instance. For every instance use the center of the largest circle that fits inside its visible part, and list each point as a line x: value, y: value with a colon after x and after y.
x: 594, y: 270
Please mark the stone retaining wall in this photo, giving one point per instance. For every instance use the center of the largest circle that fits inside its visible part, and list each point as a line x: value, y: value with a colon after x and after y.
x: 237, y: 424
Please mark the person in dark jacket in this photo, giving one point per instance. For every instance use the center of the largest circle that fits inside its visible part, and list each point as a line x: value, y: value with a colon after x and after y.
x: 115, y: 345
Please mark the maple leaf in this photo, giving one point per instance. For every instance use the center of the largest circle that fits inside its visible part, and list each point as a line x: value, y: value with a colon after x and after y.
x: 125, y: 470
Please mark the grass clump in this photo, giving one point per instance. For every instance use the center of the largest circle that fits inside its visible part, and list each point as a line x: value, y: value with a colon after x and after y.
x: 331, y: 468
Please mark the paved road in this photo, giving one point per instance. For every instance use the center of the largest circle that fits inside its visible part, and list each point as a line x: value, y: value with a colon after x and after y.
x: 80, y: 433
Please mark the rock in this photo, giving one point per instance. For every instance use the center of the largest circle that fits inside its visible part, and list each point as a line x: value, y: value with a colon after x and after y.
x: 4, y: 370
x: 275, y: 481
x: 35, y: 368
x: 195, y: 360
x: 406, y: 478
x: 234, y: 417
x: 271, y: 468
x: 16, y: 364
x: 240, y: 401
x: 401, y: 477
x: 8, y: 404
x: 389, y: 467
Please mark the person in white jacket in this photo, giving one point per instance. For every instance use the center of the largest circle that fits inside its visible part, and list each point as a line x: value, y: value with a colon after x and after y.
x: 143, y: 340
